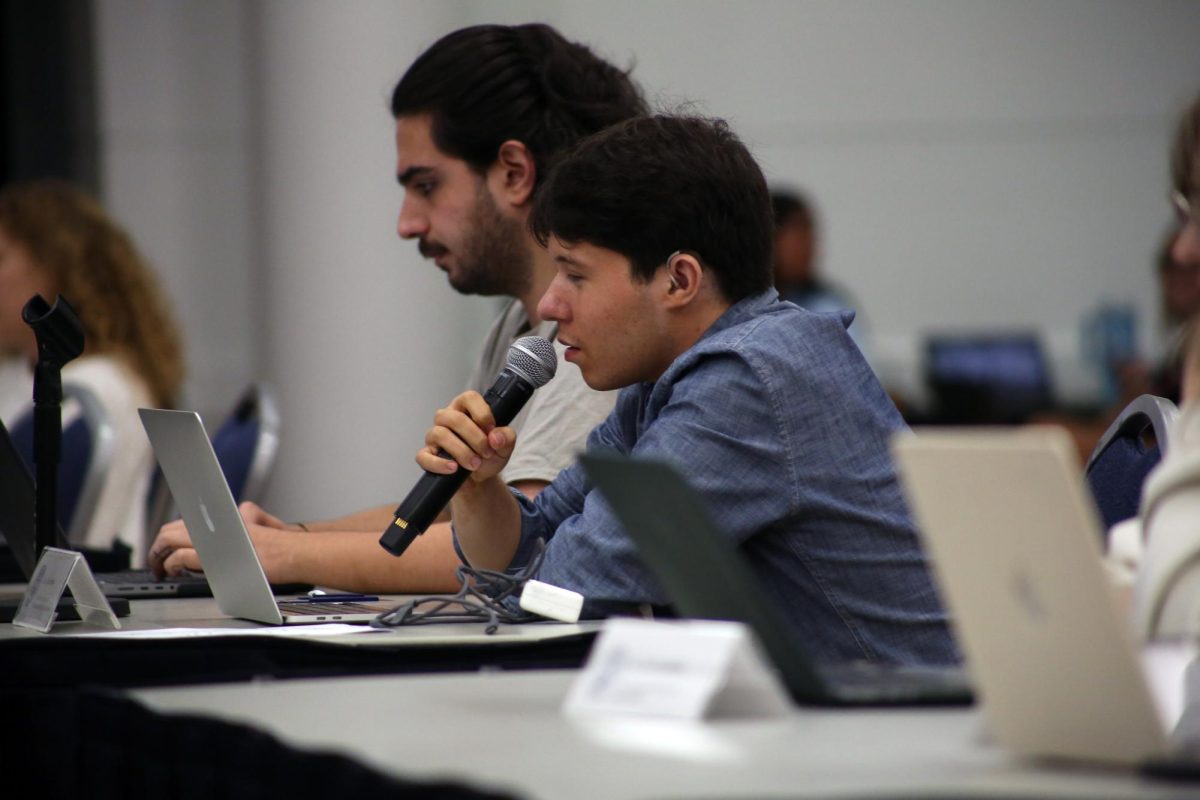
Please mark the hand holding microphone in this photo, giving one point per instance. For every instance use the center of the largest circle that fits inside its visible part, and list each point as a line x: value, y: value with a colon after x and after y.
x: 530, y: 363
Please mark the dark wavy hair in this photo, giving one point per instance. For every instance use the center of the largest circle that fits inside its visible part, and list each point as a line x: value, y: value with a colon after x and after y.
x: 788, y: 204
x: 487, y: 84
x: 93, y: 263
x: 653, y: 185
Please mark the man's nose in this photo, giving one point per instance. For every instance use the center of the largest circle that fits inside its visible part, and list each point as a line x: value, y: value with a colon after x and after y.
x: 551, y: 306
x: 411, y: 223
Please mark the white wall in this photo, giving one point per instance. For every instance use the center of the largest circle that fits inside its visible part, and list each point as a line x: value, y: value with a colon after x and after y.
x: 249, y: 149
x: 976, y: 164
x: 171, y: 96
x: 363, y: 337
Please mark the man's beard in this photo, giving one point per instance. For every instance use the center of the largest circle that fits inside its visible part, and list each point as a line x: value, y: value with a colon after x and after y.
x: 495, y: 258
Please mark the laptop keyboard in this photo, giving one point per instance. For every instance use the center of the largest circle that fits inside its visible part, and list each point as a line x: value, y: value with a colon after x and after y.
x: 332, y: 608
x: 145, y: 576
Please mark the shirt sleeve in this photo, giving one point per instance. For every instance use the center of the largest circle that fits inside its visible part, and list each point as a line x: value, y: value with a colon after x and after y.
x: 564, y: 497
x: 717, y: 424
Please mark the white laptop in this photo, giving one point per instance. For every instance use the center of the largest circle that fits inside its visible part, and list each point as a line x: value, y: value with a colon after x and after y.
x: 1016, y: 545
x: 194, y: 475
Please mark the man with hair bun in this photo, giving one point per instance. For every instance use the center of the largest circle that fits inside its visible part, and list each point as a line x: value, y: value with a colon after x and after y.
x: 481, y: 117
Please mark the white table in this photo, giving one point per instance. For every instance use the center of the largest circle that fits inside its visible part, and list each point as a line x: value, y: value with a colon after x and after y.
x: 505, y: 731
x: 202, y: 612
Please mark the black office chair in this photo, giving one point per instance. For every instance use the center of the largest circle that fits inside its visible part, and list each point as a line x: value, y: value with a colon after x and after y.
x: 1123, y: 458
x: 246, y: 444
x: 88, y: 443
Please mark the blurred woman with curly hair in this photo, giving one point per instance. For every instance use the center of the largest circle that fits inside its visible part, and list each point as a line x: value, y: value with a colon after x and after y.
x: 57, y: 240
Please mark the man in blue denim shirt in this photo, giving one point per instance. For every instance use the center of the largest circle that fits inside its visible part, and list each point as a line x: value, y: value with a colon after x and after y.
x: 661, y: 231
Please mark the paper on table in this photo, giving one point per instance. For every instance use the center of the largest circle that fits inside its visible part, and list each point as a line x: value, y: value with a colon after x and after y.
x: 285, y: 631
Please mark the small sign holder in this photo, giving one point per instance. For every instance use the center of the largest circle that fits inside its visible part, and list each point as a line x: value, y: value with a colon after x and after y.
x: 686, y: 669
x: 56, y: 571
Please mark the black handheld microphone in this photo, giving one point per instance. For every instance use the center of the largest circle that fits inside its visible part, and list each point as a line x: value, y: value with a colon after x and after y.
x: 530, y: 363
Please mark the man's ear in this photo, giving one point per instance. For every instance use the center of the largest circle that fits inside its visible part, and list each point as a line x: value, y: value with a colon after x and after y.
x: 514, y: 174
x: 683, y: 278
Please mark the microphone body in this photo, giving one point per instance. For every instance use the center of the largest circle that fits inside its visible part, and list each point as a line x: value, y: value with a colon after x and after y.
x: 507, y: 396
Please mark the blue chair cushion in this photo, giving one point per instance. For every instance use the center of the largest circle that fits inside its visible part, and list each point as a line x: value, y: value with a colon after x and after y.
x: 235, y: 443
x: 1116, y: 478
x: 72, y: 469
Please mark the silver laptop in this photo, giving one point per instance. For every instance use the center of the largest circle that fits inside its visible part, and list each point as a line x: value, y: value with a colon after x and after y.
x: 1015, y: 540
x: 18, y: 499
x: 194, y: 475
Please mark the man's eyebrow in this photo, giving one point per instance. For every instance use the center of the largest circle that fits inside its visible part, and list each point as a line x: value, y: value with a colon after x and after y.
x: 566, y: 259
x: 406, y: 177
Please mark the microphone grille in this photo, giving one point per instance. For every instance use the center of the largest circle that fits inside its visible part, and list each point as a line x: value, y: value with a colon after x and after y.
x: 533, y: 358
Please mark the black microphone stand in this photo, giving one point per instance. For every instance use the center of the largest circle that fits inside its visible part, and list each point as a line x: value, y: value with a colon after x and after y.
x: 59, y: 339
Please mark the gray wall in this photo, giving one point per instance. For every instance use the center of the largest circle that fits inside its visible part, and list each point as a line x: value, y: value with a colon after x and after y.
x: 976, y: 164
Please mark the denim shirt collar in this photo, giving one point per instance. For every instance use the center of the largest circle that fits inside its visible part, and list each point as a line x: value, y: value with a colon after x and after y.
x: 740, y: 311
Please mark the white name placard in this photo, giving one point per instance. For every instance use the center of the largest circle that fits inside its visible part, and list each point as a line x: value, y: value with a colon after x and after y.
x: 678, y: 669
x: 56, y: 571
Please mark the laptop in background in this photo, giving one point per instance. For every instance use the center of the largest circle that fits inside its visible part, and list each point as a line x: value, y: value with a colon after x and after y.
x: 18, y: 500
x: 202, y: 495
x: 987, y: 378
x: 1014, y: 537
x: 707, y: 578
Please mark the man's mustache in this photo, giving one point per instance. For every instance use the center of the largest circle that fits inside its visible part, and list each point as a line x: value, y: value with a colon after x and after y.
x: 429, y: 249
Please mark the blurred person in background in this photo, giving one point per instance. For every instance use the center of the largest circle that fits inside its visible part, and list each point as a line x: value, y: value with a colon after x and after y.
x: 1179, y: 301
x: 481, y: 117
x: 795, y: 258
x: 1178, y: 267
x: 55, y: 240
x: 1185, y: 246
x: 1166, y: 520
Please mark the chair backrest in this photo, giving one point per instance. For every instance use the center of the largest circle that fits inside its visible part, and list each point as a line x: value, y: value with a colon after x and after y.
x: 1122, y: 459
x: 88, y: 442
x: 246, y: 443
x: 1167, y: 590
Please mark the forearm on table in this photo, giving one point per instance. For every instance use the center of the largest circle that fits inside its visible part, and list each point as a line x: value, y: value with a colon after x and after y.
x: 350, y: 557
x: 355, y: 561
x: 370, y: 519
x: 487, y: 523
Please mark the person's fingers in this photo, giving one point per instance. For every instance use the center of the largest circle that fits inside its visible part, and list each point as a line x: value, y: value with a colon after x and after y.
x: 450, y: 443
x: 474, y: 406
x: 253, y: 514
x: 171, y: 537
x: 429, y: 460
x: 181, y: 561
x: 464, y: 435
